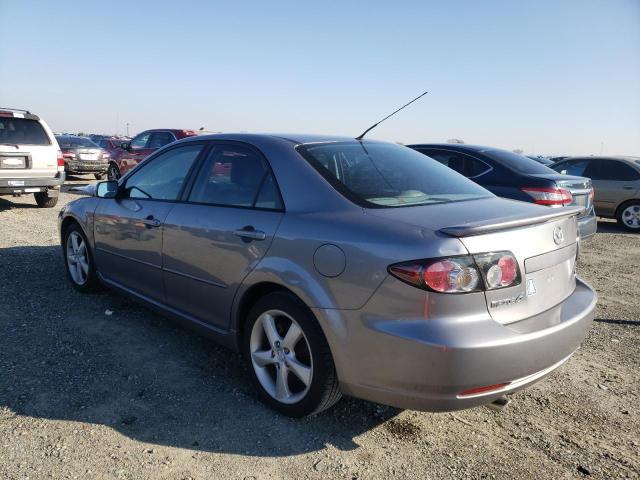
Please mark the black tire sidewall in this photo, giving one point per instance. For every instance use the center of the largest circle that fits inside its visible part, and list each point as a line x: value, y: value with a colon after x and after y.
x: 317, y: 342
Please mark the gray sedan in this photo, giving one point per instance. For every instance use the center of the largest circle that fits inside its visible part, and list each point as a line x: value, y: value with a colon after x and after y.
x: 339, y: 266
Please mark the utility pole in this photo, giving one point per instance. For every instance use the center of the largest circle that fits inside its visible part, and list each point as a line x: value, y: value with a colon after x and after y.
x: 127, y: 129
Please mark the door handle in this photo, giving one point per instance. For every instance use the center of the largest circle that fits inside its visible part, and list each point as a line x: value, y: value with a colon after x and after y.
x: 628, y: 187
x: 151, y: 222
x: 249, y: 233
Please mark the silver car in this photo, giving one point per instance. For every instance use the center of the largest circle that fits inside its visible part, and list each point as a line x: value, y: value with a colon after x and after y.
x: 339, y: 266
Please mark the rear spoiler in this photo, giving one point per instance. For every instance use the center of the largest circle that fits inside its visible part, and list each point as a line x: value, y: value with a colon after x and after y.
x: 505, y: 223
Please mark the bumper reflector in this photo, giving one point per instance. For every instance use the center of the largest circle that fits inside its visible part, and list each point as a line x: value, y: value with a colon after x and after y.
x: 485, y: 389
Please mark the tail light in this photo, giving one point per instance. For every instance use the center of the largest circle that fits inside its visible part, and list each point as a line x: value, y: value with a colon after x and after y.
x: 68, y: 155
x: 592, y: 194
x: 464, y: 274
x: 549, y: 196
x: 60, y: 161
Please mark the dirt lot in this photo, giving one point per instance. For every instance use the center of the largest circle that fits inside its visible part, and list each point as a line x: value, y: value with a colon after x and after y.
x: 84, y: 394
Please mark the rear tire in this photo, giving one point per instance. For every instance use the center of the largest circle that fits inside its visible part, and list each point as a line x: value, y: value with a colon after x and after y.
x: 292, y: 367
x: 629, y: 216
x: 113, y: 172
x: 44, y: 200
x: 78, y: 260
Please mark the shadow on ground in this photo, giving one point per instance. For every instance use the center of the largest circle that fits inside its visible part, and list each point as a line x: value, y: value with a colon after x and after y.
x: 62, y: 357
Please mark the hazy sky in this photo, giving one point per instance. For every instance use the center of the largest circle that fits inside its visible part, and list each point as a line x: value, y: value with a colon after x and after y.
x: 550, y: 77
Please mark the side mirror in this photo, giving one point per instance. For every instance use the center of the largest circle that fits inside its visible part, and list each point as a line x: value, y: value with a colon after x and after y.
x: 108, y: 189
x: 126, y: 146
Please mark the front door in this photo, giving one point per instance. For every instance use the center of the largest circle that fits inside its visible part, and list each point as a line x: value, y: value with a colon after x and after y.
x: 212, y: 241
x: 128, y: 228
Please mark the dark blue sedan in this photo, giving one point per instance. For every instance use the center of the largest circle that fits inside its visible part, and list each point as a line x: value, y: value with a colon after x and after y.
x: 514, y: 176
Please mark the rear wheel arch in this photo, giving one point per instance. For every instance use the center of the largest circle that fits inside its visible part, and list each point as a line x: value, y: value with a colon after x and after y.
x: 250, y: 298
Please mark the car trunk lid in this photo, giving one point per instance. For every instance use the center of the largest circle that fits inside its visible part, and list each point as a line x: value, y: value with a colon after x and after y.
x: 543, y: 241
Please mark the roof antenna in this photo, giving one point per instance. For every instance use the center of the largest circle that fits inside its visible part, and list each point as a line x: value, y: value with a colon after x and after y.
x: 361, y: 136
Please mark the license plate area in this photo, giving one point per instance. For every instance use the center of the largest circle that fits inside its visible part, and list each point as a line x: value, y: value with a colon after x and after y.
x: 13, y: 161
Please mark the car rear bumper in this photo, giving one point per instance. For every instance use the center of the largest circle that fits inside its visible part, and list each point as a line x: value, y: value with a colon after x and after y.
x: 427, y: 363
x: 86, y: 167
x: 17, y: 186
x: 588, y: 225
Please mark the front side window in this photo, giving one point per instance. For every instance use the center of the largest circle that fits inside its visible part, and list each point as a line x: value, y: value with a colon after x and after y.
x: 377, y: 175
x: 235, y: 175
x: 140, y: 141
x: 572, y: 167
x: 22, y: 131
x: 461, y: 163
x: 162, y: 177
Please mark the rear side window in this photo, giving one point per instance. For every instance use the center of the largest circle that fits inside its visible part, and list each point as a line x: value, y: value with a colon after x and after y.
x: 22, y: 131
x: 520, y: 163
x: 377, y: 175
x: 611, y: 170
x: 234, y: 175
x: 461, y: 163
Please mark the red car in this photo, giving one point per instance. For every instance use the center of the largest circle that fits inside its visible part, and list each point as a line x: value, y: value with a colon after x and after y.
x: 140, y: 147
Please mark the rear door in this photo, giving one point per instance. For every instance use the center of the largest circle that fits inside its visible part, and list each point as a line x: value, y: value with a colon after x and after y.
x: 215, y: 238
x: 614, y: 181
x: 27, y: 148
x: 128, y: 229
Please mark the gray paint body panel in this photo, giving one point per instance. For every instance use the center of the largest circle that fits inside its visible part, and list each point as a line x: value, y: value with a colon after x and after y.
x: 193, y: 269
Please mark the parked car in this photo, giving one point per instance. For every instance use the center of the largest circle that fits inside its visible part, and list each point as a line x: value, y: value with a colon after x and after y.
x: 339, y: 266
x: 140, y: 147
x: 541, y: 159
x: 514, y: 176
x: 617, y: 183
x: 81, y: 156
x: 111, y: 144
x: 30, y: 160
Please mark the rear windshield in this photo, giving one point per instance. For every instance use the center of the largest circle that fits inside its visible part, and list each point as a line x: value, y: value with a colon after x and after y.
x: 379, y: 175
x: 517, y: 162
x: 72, y: 142
x: 22, y: 131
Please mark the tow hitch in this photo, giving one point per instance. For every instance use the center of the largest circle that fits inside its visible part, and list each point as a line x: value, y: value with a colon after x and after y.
x: 499, y: 403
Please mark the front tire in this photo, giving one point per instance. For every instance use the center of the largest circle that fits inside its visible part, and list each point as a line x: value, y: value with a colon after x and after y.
x: 289, y: 357
x: 629, y: 216
x: 44, y: 200
x: 78, y: 260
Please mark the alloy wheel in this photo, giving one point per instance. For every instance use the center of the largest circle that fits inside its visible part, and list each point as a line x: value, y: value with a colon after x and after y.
x: 281, y: 356
x: 77, y: 258
x: 631, y: 216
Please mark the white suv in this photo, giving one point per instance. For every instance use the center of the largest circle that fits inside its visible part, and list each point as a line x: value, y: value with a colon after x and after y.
x: 30, y: 159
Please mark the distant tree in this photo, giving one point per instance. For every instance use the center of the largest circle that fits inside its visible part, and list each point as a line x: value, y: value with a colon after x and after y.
x: 455, y: 140
x: 519, y: 151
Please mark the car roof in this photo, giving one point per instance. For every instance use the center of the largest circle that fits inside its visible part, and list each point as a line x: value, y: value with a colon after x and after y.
x: 461, y: 147
x: 295, y: 139
x: 624, y: 158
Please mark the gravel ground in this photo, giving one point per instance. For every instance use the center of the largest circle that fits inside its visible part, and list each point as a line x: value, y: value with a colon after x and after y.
x: 84, y: 394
